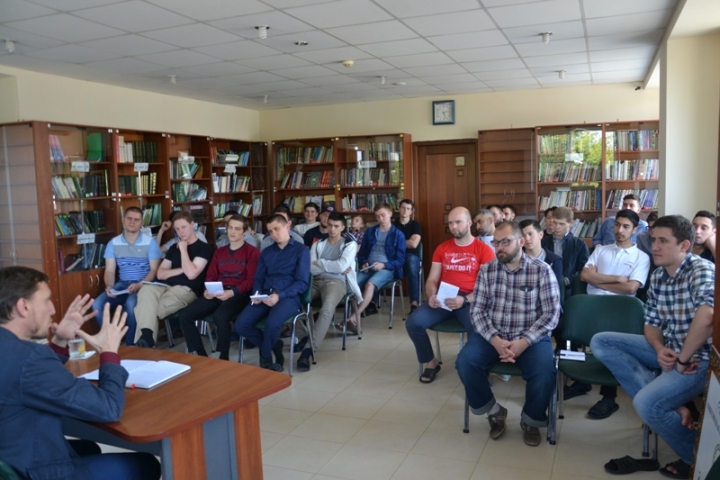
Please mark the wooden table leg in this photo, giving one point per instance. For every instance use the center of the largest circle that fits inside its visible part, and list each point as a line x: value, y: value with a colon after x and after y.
x: 188, y: 454
x: 247, y: 442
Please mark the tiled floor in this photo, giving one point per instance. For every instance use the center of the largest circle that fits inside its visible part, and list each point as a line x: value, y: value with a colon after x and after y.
x: 362, y: 414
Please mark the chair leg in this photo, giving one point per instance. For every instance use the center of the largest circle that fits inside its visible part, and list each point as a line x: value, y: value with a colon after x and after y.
x: 466, y: 426
x: 359, y: 320
x: 646, y: 440
x: 213, y: 344
x: 392, y: 305
x: 402, y: 299
x: 242, y: 350
x: 552, y: 418
x: 561, y: 394
x: 437, y: 347
x: 168, y: 329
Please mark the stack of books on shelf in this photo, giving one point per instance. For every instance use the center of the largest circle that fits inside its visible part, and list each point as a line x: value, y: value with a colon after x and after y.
x: 230, y: 183
x: 575, y: 199
x: 646, y: 169
x: 188, y: 192
x: 185, y: 171
x: 76, y: 223
x: 635, y: 140
x: 241, y: 207
x: 648, y: 198
x: 56, y: 151
x: 567, y: 172
x: 585, y: 228
x: 364, y: 177
x: 91, y: 256
x: 131, y: 185
x: 198, y: 213
x: 223, y: 157
x: 365, y: 202
x: 297, y: 204
x: 70, y: 186
x: 135, y: 152
x: 152, y: 215
x: 382, y: 152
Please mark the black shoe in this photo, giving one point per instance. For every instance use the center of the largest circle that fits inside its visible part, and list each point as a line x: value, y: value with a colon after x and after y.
x: 146, y: 339
x: 603, y: 409
x: 276, y: 367
x: 278, y: 352
x: 371, y: 309
x: 265, y: 362
x: 575, y: 390
x: 300, y: 346
x: 247, y: 344
x: 303, y: 363
x: 413, y: 308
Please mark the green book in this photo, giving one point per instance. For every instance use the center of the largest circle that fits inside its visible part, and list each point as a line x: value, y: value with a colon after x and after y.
x: 94, y: 147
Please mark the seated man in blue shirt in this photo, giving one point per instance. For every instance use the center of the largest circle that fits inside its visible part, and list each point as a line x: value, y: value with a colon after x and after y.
x: 606, y: 233
x: 283, y: 273
x: 574, y: 252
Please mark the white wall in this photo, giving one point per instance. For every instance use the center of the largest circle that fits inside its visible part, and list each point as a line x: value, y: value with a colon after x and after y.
x: 9, y: 109
x: 690, y: 112
x: 58, y: 99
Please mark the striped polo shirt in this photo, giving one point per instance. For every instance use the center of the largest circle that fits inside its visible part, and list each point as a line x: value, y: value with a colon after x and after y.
x: 133, y: 259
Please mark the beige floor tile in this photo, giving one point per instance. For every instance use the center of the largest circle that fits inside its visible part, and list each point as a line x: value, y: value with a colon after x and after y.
x: 363, y: 463
x: 451, y: 416
x: 421, y: 467
x: 356, y: 406
x: 360, y: 354
x: 324, y: 477
x: 331, y: 428
x: 373, y: 387
x: 297, y: 398
x: 281, y: 420
x: 269, y: 439
x: 399, y: 437
x: 276, y: 473
x: 412, y: 413
x: 328, y: 383
x: 400, y: 356
x: 436, y: 393
x: 589, y: 460
x: 303, y: 454
x: 511, y: 446
x: 450, y: 443
x: 486, y: 471
x: 344, y: 367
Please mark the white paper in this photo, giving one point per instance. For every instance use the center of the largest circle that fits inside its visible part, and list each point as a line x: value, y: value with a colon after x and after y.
x: 572, y: 355
x: 146, y: 373
x: 119, y: 292
x: 444, y: 292
x: 216, y: 288
x: 367, y: 268
x: 259, y: 296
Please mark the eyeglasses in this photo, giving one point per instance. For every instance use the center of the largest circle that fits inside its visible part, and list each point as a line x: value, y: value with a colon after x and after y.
x: 503, y: 243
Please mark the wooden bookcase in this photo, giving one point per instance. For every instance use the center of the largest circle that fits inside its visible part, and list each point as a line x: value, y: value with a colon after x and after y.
x: 354, y: 172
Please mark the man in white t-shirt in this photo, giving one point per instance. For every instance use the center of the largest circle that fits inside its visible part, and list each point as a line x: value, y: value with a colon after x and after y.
x: 617, y: 269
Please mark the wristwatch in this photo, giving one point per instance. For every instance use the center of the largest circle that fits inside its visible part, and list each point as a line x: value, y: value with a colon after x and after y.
x: 466, y: 301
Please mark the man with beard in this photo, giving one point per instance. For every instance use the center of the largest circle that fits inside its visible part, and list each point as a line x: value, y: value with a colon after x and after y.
x: 704, y: 247
x: 455, y: 262
x: 516, y: 304
x: 485, y: 226
x: 605, y: 234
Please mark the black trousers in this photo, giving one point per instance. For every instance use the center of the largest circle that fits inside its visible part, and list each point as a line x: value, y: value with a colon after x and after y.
x: 223, y: 313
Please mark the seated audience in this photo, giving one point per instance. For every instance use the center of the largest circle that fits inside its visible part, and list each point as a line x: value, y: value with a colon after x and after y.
x: 532, y: 236
x: 38, y: 391
x: 508, y: 212
x: 606, y: 233
x: 168, y: 225
x: 234, y: 265
x: 619, y: 269
x: 135, y: 257
x: 677, y: 341
x: 413, y: 234
x: 573, y: 251
x: 319, y: 232
x: 455, y: 262
x: 704, y: 246
x: 183, y: 274
x: 267, y: 238
x: 283, y: 273
x: 497, y: 212
x: 549, y: 226
x: 224, y: 240
x: 485, y: 226
x: 310, y: 212
x: 357, y: 229
x: 516, y: 304
x: 652, y: 216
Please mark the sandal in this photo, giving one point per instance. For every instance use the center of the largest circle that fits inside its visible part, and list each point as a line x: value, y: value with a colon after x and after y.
x: 429, y: 373
x: 575, y: 390
x: 602, y: 409
x: 627, y: 464
x: 682, y: 469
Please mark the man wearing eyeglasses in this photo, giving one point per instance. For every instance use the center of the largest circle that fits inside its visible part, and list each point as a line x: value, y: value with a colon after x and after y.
x: 515, y: 306
x: 484, y: 222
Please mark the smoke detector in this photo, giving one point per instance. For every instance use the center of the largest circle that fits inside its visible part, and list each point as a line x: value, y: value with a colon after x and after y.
x: 348, y: 63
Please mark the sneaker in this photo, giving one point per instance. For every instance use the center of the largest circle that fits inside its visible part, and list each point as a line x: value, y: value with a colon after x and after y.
x: 531, y: 435
x: 497, y: 423
x: 265, y: 362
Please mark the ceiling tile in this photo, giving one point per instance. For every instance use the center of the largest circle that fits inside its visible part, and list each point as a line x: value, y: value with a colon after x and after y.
x: 70, y: 5
x: 481, y: 54
x: 512, y: 82
x: 460, y: 88
x: 294, y: 3
x: 13, y: 10
x: 317, y: 40
x: 500, y: 3
x: 623, y: 54
x: 65, y: 27
x: 416, y: 8
x: 26, y: 41
x: 373, y: 32
x: 560, y: 31
x: 341, y: 13
x: 552, y: 60
x: 607, y: 8
x: 494, y: 65
x: 310, y: 92
x: 420, y: 90
x: 216, y: 83
x: 256, y: 77
x: 212, y: 9
x: 609, y: 42
x: 274, y: 62
x: 352, y: 87
x: 127, y: 65
x: 548, y: 71
x: 72, y: 54
x: 238, y: 50
x: 220, y: 69
x: 192, y: 36
x: 446, y: 79
x: 129, y: 45
x: 620, y: 65
x: 334, y: 55
x: 399, y: 47
x: 628, y: 23
x: 134, y: 16
x: 336, y: 79
x: 179, y: 58
x: 181, y: 75
x: 568, y: 81
x: 369, y: 65
x: 503, y: 74
x: 552, y: 48
x: 621, y: 75
x: 423, y: 59
x: 310, y: 71
x: 434, y: 70
x: 462, y: 41
x: 451, y: 23
x: 538, y: 13
x: 280, y: 23
x: 283, y: 85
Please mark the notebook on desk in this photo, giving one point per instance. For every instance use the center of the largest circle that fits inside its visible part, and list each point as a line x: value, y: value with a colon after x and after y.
x: 146, y: 373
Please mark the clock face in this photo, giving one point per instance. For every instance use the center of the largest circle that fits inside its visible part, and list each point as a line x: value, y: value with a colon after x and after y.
x: 443, y: 112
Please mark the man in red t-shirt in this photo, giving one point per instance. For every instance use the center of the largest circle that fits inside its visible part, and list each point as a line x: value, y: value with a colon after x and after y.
x: 455, y: 262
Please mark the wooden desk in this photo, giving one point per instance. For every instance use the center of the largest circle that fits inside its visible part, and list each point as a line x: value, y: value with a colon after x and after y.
x: 204, y: 424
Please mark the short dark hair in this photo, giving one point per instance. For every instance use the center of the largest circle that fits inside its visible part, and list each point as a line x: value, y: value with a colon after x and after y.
x: 495, y: 205
x: 311, y: 205
x: 133, y: 209
x: 530, y: 223
x: 17, y: 283
x: 408, y: 202
x: 706, y: 214
x: 336, y: 217
x: 516, y: 231
x: 509, y: 207
x: 282, y: 208
x: 484, y: 212
x: 549, y: 210
x: 182, y: 215
x: 381, y: 205
x: 652, y: 216
x: 231, y: 212
x: 631, y: 196
x: 240, y: 218
x: 563, y: 213
x: 682, y: 228
x: 630, y: 215
x: 278, y: 217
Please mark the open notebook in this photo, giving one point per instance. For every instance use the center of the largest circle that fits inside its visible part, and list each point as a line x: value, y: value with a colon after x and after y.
x: 146, y: 373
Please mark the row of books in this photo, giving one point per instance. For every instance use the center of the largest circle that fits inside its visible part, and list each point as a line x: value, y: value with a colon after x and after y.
x: 219, y: 209
x: 365, y: 202
x: 198, y: 213
x: 180, y: 170
x: 585, y: 228
x: 188, y: 192
x: 554, y: 144
x: 324, y: 179
x: 152, y: 215
x: 364, y: 177
x: 646, y: 169
x: 91, y: 256
x: 56, y: 151
x: 295, y: 155
x: 70, y: 186
x: 575, y: 199
x: 385, y: 151
x: 230, y: 183
x: 567, y: 172
x: 636, y: 140
x: 223, y: 157
x: 135, y: 151
x: 297, y: 204
x: 648, y: 198
x: 76, y: 223
x: 146, y: 184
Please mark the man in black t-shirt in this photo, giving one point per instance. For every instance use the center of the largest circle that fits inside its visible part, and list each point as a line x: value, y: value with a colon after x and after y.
x: 413, y: 234
x: 320, y: 232
x: 183, y: 275
x: 704, y: 246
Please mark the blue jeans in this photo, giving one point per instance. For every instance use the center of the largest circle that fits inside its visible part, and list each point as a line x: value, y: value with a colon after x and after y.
x: 276, y: 316
x: 411, y: 270
x: 123, y: 466
x: 379, y: 278
x: 633, y: 361
x: 128, y: 302
x: 478, y: 356
x: 425, y: 317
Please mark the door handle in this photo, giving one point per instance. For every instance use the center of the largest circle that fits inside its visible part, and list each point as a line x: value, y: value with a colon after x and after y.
x: 91, y: 281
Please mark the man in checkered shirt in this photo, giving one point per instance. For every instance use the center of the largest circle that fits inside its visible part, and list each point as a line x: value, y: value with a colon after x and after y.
x: 677, y: 341
x: 515, y: 306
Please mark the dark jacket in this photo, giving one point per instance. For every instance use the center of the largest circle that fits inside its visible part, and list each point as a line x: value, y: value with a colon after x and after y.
x: 394, y: 249
x: 283, y: 271
x: 575, y: 256
x: 555, y: 262
x: 37, y: 391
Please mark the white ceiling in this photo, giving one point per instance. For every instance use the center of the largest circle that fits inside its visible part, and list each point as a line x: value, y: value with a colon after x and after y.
x: 434, y: 47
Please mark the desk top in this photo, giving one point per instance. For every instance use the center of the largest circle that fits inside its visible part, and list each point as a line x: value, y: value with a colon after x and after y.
x: 211, y: 388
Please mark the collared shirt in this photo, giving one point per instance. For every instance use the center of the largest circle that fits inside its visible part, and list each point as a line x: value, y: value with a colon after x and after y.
x: 133, y: 259
x: 606, y: 234
x: 284, y: 271
x: 487, y: 240
x: 629, y: 262
x: 673, y: 301
x: 524, y: 303
x: 558, y: 244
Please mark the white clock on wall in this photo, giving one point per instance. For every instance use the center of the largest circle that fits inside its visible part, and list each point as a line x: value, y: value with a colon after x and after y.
x: 444, y: 112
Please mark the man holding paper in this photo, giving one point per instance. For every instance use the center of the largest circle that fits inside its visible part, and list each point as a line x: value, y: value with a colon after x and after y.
x: 227, y: 285
x: 455, y: 265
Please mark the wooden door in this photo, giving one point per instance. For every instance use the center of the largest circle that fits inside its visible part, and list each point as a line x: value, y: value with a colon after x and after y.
x: 446, y: 173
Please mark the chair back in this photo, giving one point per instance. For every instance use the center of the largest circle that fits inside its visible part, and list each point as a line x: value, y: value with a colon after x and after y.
x: 7, y: 472
x: 578, y: 287
x: 306, y: 297
x: 586, y: 315
x: 420, y: 251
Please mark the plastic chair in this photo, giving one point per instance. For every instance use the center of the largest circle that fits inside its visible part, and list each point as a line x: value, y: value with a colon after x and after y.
x: 7, y: 472
x: 205, y: 329
x: 173, y: 317
x: 421, y: 275
x: 303, y: 313
x: 393, y: 285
